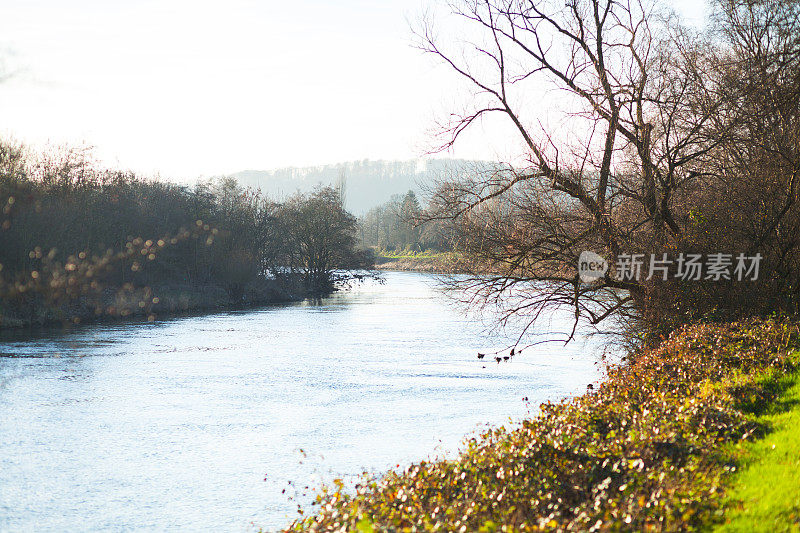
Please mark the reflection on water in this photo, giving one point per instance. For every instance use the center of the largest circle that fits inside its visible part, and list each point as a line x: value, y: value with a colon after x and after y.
x: 199, y: 422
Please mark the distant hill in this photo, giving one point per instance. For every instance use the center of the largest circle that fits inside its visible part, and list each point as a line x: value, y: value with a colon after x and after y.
x: 367, y: 183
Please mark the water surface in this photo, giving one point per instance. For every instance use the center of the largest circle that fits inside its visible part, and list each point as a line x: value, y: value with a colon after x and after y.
x: 201, y: 422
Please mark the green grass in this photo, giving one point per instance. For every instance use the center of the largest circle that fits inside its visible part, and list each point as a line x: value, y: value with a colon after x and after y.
x: 764, y: 494
x: 385, y: 254
x: 427, y: 261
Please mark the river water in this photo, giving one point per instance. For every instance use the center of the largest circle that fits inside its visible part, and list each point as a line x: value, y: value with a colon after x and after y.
x: 202, y: 422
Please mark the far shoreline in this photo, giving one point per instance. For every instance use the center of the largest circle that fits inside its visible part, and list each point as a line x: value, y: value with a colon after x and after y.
x: 173, y: 301
x: 440, y: 263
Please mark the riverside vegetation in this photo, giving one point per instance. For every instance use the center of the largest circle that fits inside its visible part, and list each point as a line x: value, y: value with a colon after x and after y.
x: 79, y: 242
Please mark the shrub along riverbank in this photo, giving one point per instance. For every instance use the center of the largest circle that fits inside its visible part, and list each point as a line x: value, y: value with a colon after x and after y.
x: 655, y: 447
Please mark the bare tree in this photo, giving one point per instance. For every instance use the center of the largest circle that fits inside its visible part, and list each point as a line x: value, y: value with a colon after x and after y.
x: 321, y: 240
x: 644, y: 110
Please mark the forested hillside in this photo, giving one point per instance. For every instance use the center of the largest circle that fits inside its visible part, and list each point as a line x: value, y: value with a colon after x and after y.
x: 367, y: 183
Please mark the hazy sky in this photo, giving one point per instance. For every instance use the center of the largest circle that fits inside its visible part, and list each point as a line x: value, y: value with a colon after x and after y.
x: 189, y: 88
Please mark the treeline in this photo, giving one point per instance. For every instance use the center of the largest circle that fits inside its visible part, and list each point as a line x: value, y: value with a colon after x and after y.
x: 402, y: 225
x: 71, y: 229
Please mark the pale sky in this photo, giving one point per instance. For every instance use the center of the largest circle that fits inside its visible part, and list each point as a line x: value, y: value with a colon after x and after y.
x: 186, y: 88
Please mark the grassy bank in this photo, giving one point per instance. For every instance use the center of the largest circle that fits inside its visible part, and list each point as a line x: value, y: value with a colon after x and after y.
x: 653, y: 448
x: 441, y: 262
x: 436, y: 262
x: 764, y: 494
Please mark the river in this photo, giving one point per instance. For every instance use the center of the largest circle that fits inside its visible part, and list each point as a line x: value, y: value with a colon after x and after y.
x: 201, y: 422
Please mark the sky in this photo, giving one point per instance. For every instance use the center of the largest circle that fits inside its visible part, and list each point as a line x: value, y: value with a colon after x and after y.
x: 184, y: 89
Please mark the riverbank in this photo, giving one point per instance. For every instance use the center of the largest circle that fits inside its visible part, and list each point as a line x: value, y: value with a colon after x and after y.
x: 436, y: 263
x: 651, y: 448
x: 154, y: 301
